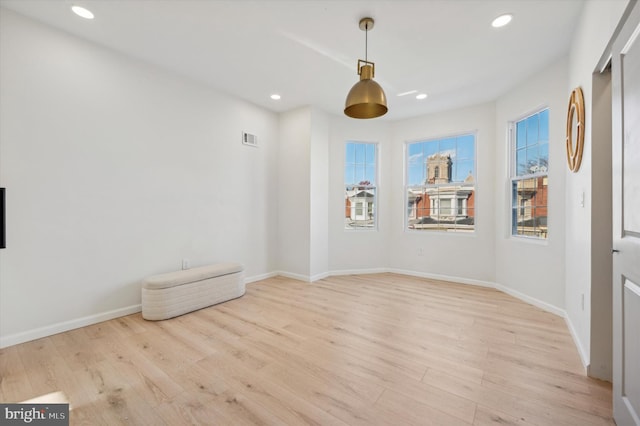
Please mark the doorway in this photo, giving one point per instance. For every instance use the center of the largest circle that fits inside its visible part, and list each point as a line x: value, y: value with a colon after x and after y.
x: 600, y: 365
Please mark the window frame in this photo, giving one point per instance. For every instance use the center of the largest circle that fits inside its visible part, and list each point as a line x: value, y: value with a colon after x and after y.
x: 454, y: 206
x: 514, y: 177
x: 371, y: 207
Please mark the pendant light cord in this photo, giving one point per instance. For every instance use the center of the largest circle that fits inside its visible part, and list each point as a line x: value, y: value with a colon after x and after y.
x: 366, y: 41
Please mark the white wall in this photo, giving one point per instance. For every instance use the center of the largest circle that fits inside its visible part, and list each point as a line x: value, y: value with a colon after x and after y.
x: 294, y: 180
x: 595, y: 29
x: 532, y: 267
x: 319, y: 195
x: 116, y: 170
x: 460, y: 256
x: 303, y: 176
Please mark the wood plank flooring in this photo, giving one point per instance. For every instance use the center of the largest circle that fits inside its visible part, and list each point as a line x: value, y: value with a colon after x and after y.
x: 379, y: 349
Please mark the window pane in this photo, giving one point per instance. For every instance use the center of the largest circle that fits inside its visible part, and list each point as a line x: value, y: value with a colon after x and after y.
x: 521, y: 134
x: 470, y: 216
x: 349, y: 177
x: 350, y: 156
x: 448, y: 146
x: 415, y: 162
x: 532, y: 129
x: 528, y: 185
x: 424, y: 210
x: 414, y: 150
x: 541, y: 198
x: 463, y: 171
x: 360, y: 153
x: 440, y: 178
x: 360, y: 208
x: 370, y: 174
x: 532, y: 159
x: 529, y: 212
x: 360, y: 171
x: 370, y: 156
x: 540, y: 223
x: 543, y: 152
x: 521, y: 162
x: 529, y: 196
x: 429, y: 148
x: 416, y: 175
x: 466, y: 148
x: 531, y: 144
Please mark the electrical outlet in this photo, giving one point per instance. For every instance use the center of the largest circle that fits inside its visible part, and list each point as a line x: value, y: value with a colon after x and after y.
x: 420, y: 252
x: 186, y: 264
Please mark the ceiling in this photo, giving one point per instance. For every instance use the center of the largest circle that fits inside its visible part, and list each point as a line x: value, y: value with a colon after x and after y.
x: 307, y: 50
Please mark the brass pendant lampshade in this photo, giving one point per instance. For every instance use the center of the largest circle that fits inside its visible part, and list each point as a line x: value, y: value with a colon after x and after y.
x: 366, y: 99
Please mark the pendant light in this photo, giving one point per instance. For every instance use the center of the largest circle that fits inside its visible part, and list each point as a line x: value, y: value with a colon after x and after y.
x: 366, y: 99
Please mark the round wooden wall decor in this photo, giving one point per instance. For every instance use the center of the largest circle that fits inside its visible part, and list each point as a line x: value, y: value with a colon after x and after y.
x: 575, y: 129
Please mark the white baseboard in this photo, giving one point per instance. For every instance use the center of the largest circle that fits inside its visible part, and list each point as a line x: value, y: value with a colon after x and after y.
x: 357, y: 271
x: 253, y: 279
x: 38, y: 333
x: 458, y: 280
x: 319, y: 276
x: 313, y: 278
x: 294, y: 276
x: 300, y: 277
x: 584, y: 357
x: 531, y: 300
x: 518, y: 295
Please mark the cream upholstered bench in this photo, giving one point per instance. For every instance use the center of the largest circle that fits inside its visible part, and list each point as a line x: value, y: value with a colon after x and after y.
x: 176, y: 293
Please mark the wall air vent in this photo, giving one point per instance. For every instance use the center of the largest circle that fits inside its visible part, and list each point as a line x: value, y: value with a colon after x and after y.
x: 249, y: 139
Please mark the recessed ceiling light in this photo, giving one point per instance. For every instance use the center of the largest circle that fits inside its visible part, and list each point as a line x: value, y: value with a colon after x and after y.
x: 410, y: 92
x: 502, y: 20
x: 275, y: 97
x: 421, y: 96
x: 82, y: 12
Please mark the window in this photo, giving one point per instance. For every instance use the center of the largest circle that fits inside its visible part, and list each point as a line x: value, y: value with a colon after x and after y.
x: 529, y: 176
x: 360, y: 177
x: 440, y: 189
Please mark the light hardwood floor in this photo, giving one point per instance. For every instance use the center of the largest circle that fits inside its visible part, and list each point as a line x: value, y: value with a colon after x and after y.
x: 379, y: 349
